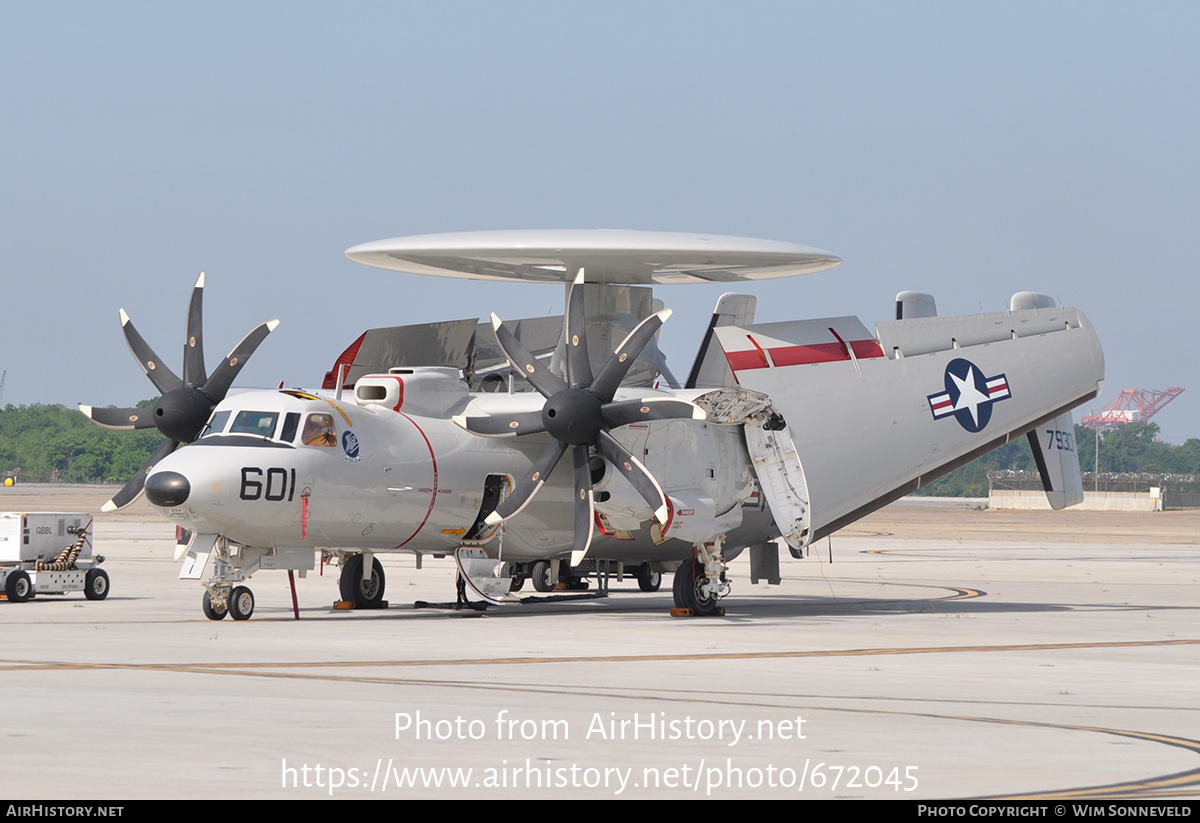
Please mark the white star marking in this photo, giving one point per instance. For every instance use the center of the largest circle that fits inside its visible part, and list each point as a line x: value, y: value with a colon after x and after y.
x: 969, y: 397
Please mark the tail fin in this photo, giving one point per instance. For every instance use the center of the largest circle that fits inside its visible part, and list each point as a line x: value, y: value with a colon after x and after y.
x: 1053, y: 448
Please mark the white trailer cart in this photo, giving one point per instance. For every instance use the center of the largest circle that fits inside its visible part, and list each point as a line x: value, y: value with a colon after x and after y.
x: 49, y: 553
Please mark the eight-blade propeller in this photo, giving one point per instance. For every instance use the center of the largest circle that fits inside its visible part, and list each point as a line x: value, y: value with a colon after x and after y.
x: 185, y: 404
x: 579, y: 413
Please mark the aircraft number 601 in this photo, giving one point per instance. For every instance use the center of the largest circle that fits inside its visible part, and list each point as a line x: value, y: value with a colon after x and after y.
x: 278, y: 485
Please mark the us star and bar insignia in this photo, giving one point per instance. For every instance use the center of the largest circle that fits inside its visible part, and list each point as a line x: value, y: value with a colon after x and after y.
x: 969, y: 395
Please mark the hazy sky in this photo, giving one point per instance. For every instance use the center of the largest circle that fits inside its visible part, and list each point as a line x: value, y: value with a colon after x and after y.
x: 970, y: 150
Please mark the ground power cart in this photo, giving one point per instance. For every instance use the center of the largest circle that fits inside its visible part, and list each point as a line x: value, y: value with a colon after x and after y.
x: 49, y: 553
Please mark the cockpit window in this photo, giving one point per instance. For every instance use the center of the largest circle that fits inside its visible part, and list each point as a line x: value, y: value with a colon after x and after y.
x: 217, y: 424
x: 319, y: 431
x: 291, y: 422
x: 260, y: 423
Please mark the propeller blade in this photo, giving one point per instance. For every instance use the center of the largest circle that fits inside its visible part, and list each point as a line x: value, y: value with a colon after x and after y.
x: 162, y: 377
x: 585, y: 504
x: 579, y: 366
x: 606, y: 383
x: 541, y: 378
x: 217, y: 385
x: 125, y: 419
x: 502, y: 425
x: 132, y: 490
x: 193, y: 341
x: 529, y: 485
x: 649, y: 408
x: 633, y: 471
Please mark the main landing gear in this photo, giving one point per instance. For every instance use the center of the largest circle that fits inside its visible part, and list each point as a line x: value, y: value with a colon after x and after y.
x: 700, y: 582
x: 648, y: 578
x: 365, y: 592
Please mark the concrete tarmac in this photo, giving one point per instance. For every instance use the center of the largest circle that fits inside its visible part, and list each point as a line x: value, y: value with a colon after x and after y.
x: 945, y: 653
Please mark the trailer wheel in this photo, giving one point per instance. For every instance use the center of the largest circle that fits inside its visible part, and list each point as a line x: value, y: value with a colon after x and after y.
x: 210, y: 611
x: 241, y: 603
x: 95, y: 584
x: 17, y: 587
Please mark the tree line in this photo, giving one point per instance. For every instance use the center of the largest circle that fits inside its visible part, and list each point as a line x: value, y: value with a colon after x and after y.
x: 1134, y: 447
x: 54, y: 444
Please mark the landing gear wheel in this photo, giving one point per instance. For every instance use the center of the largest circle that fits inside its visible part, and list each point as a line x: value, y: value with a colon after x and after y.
x: 241, y: 603
x: 516, y: 573
x: 363, y: 594
x: 570, y: 579
x: 17, y: 587
x: 212, y: 612
x: 690, y: 588
x: 677, y: 584
x: 648, y: 579
x: 95, y: 584
x: 542, y: 580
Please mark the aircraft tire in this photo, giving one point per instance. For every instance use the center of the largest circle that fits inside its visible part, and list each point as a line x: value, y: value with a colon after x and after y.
x: 95, y: 584
x: 689, y: 581
x: 210, y: 611
x: 351, y: 585
x: 241, y: 603
x: 542, y: 581
x: 677, y: 585
x: 516, y: 573
x: 18, y: 587
x: 649, y: 580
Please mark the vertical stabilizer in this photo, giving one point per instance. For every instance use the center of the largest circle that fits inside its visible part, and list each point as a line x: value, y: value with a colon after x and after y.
x: 710, y: 368
x: 1053, y: 446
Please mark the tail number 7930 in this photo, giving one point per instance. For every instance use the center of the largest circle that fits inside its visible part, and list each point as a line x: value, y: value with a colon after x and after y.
x: 1060, y: 440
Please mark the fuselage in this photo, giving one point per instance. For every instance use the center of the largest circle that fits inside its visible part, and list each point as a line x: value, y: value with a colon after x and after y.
x: 289, y: 468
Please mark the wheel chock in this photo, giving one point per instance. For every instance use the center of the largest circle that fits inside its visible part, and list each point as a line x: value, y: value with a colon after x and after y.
x: 719, y: 611
x: 348, y: 605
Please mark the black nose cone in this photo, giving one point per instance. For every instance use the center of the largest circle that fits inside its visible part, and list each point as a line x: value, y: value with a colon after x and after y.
x: 167, y: 489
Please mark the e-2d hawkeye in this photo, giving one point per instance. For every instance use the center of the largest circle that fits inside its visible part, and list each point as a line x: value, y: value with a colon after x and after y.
x: 448, y: 437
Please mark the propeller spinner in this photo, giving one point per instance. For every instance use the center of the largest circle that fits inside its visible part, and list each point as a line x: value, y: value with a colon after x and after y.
x: 579, y: 413
x: 185, y: 403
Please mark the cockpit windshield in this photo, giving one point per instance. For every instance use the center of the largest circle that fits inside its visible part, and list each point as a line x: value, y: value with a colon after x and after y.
x: 261, y: 423
x: 217, y: 424
x: 317, y: 430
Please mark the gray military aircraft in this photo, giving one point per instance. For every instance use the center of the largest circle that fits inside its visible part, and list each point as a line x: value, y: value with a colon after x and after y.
x: 447, y: 437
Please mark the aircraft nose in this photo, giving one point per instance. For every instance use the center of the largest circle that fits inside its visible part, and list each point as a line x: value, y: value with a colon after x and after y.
x: 167, y: 489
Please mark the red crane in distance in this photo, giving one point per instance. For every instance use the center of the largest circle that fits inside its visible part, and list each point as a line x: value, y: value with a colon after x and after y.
x: 1131, y: 406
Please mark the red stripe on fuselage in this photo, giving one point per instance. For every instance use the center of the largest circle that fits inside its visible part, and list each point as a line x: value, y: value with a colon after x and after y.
x: 433, y: 459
